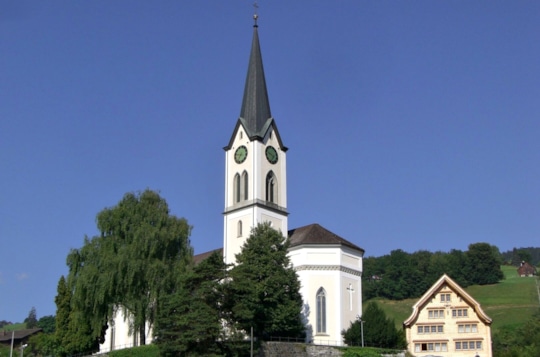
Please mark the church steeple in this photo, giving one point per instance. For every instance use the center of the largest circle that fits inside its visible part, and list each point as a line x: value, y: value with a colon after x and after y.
x: 255, y: 112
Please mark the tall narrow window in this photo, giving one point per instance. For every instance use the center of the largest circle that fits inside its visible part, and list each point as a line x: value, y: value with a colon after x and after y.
x: 113, y: 333
x: 321, y: 311
x: 271, y: 187
x: 239, y: 228
x: 237, y: 188
x: 245, y: 183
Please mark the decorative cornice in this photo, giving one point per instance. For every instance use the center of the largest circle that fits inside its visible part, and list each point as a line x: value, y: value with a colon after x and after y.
x: 329, y: 267
x: 259, y: 203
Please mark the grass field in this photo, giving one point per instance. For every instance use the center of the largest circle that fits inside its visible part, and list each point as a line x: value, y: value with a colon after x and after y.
x: 509, y: 303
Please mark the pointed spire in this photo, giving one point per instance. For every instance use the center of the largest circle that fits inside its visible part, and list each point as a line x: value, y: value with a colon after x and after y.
x: 255, y: 110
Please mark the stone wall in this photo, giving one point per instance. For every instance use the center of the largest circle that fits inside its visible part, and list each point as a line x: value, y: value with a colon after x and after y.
x: 282, y: 349
x: 288, y: 349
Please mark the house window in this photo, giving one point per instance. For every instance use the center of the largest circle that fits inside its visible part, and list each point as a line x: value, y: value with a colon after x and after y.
x: 430, y: 329
x: 460, y: 313
x: 436, y: 314
x: 468, y: 328
x: 245, y: 182
x: 239, y: 228
x: 468, y: 345
x: 321, y: 311
x: 271, y: 187
x: 445, y: 297
x: 431, y: 346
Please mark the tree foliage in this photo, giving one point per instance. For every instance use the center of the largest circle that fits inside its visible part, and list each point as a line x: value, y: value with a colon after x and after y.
x: 31, y: 321
x: 402, y: 275
x: 517, y: 255
x: 139, y: 252
x: 264, y: 289
x: 484, y: 264
x: 47, y: 323
x: 523, y: 341
x: 189, y: 321
x: 73, y: 333
x: 378, y: 330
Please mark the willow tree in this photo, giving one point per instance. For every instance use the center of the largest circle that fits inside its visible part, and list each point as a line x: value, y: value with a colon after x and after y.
x: 140, y: 250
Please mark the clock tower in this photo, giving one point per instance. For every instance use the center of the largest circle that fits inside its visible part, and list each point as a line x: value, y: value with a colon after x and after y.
x: 255, y: 164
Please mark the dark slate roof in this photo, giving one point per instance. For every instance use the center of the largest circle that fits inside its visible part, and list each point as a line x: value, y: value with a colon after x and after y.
x: 255, y: 112
x: 5, y: 336
x: 315, y: 234
x: 200, y: 257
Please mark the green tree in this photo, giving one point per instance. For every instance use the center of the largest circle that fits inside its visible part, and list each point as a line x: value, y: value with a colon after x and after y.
x: 42, y: 344
x: 523, y: 341
x: 47, y: 323
x: 139, y: 252
x: 31, y: 320
x: 264, y: 289
x: 72, y: 335
x: 379, y: 331
x: 484, y: 264
x: 189, y: 321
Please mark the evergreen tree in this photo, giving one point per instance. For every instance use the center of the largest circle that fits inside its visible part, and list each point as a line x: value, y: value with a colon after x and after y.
x: 72, y: 335
x: 379, y: 331
x: 31, y: 320
x: 189, y: 321
x: 263, y: 293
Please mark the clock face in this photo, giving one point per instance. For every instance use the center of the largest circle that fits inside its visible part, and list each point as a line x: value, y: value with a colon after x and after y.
x: 271, y: 154
x: 240, y: 154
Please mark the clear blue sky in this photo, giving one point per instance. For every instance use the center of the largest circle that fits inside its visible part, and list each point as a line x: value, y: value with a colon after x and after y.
x: 411, y: 125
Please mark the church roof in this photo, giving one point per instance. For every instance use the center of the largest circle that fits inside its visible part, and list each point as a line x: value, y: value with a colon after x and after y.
x: 255, y: 112
x: 203, y: 256
x: 315, y: 234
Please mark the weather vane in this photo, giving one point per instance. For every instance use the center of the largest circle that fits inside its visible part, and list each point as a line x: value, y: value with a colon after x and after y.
x: 255, y: 15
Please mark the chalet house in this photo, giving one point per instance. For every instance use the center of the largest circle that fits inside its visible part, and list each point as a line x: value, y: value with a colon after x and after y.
x: 19, y: 337
x: 447, y: 321
x: 526, y: 269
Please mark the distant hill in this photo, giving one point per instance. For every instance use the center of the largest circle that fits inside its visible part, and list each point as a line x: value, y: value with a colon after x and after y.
x: 509, y: 303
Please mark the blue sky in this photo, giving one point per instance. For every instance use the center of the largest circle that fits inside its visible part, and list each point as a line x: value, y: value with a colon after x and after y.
x: 411, y: 125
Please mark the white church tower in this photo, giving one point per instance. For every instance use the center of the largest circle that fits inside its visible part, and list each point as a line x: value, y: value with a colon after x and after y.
x: 255, y: 164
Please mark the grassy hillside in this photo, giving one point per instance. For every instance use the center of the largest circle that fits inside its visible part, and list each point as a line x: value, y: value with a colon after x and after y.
x: 509, y: 303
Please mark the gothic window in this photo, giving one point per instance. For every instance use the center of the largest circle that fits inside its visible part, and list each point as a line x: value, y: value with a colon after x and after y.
x: 237, y: 188
x: 245, y: 183
x: 321, y: 311
x: 239, y: 228
x: 271, y: 187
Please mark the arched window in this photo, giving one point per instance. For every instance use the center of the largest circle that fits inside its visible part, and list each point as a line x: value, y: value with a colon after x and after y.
x: 271, y: 187
x: 245, y: 182
x: 321, y: 311
x: 237, y: 188
x: 239, y: 228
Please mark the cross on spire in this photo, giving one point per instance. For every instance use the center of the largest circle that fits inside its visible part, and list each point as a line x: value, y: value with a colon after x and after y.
x: 255, y: 14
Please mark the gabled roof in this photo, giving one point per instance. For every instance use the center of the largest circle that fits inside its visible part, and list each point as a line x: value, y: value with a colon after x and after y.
x: 5, y: 336
x: 203, y: 256
x: 446, y: 280
x: 314, y: 234
x: 255, y: 111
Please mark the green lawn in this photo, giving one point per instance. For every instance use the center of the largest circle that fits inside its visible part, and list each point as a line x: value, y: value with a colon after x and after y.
x: 509, y: 303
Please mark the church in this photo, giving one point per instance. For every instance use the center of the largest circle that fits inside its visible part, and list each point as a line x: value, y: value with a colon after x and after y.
x: 329, y: 267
